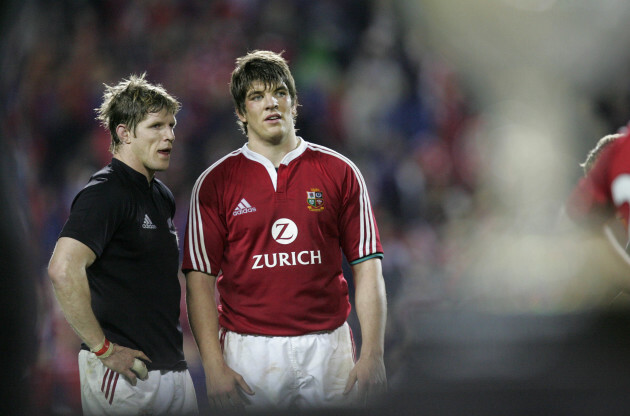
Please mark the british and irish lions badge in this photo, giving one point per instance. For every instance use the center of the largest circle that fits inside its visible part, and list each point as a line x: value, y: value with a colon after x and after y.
x: 315, y: 200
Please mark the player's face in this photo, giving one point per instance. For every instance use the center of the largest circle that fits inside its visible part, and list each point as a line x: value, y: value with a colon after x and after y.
x: 268, y: 113
x: 152, y: 142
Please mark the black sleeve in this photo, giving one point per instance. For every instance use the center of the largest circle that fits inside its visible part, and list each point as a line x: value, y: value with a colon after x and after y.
x: 94, y: 216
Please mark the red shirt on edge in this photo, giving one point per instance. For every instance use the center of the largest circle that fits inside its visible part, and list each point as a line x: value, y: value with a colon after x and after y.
x: 275, y: 238
x: 606, y: 187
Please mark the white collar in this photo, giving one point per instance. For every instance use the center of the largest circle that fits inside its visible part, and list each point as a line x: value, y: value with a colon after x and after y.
x: 271, y: 169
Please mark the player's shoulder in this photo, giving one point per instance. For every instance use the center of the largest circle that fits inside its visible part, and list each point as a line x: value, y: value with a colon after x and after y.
x: 328, y: 155
x: 104, y: 188
x: 616, y: 149
x: 105, y: 180
x: 221, y: 167
x: 623, y: 140
x: 333, y: 162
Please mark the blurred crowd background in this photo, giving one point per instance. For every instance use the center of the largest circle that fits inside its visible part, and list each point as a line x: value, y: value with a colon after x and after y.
x: 467, y: 119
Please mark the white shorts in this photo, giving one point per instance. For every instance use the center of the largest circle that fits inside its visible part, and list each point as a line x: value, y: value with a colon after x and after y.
x: 306, y: 371
x: 105, y: 392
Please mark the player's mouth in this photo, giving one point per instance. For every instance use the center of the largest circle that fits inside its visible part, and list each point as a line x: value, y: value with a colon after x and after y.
x: 273, y: 117
x: 165, y: 152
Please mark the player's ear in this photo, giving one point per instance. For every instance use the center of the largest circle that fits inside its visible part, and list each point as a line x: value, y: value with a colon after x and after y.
x: 123, y: 133
x: 240, y: 116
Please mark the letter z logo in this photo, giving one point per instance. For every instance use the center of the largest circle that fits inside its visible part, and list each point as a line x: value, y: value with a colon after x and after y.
x: 284, y: 231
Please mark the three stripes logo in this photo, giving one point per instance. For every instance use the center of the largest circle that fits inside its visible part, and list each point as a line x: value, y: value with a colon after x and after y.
x: 243, y: 208
x: 108, y: 387
x: 148, y: 224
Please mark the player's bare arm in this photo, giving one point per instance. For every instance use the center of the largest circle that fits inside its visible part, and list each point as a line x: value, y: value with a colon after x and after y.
x: 222, y: 382
x: 67, y: 271
x: 371, y: 307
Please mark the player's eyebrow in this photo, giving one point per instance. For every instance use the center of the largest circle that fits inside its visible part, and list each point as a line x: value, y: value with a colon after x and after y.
x: 271, y: 87
x: 254, y: 92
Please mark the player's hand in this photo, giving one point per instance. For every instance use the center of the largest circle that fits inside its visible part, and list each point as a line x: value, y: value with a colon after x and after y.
x: 369, y: 373
x: 123, y: 360
x: 224, y: 387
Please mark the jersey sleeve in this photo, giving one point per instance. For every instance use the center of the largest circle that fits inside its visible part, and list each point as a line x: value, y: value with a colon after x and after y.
x: 206, y: 229
x: 93, y: 218
x: 358, y: 230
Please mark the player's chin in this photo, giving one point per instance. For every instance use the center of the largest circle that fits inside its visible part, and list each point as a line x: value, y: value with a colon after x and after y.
x: 161, y: 165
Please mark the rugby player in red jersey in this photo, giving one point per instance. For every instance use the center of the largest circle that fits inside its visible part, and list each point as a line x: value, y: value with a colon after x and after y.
x: 269, y: 225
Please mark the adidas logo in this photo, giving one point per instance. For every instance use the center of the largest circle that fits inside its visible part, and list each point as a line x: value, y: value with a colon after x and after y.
x: 243, y: 208
x: 147, y: 224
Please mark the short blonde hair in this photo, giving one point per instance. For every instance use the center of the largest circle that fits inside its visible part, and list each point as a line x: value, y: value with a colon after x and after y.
x: 129, y: 102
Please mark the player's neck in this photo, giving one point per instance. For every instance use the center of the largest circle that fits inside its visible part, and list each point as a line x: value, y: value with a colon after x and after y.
x: 128, y: 159
x: 274, y: 151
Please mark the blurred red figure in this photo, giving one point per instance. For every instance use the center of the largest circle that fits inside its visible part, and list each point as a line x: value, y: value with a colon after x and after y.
x: 601, y: 203
x: 605, y: 188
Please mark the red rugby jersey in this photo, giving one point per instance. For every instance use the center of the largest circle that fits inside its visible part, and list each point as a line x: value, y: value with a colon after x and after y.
x: 275, y: 239
x: 606, y: 186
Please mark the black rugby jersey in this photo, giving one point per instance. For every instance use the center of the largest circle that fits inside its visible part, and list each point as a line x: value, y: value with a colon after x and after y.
x: 128, y: 223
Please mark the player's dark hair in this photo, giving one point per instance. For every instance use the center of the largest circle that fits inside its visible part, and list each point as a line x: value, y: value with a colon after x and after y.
x: 130, y: 102
x: 267, y: 67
